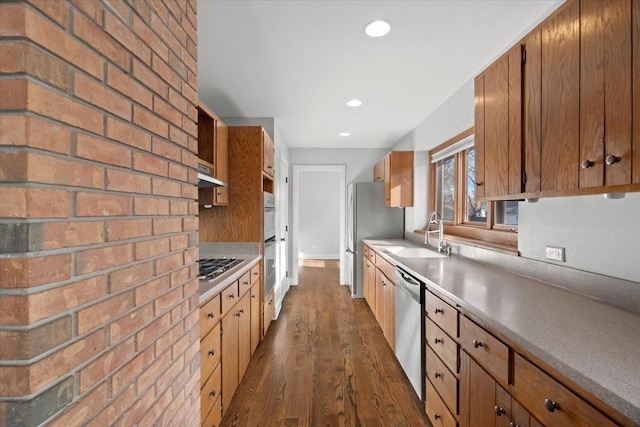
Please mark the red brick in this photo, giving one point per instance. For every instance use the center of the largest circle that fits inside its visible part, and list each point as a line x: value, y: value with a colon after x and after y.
x: 166, y: 340
x: 91, y: 260
x: 169, y: 375
x: 91, y: 8
x: 190, y: 224
x: 168, y: 301
x: 128, y: 182
x: 158, y: 368
x: 26, y: 202
x: 102, y: 97
x: 179, y: 242
x: 56, y: 235
x: 30, y: 272
x: 150, y: 121
x: 102, y: 312
x: 191, y: 320
x: 150, y: 418
x: 162, y: 187
x: 19, y: 57
x: 165, y: 34
x: 166, y: 149
x: 105, y: 364
x: 34, y: 132
x: 64, y: 360
x: 60, y: 43
x: 191, y: 287
x: 130, y: 276
x: 95, y: 37
x: 178, y: 172
x: 123, y: 35
x: 116, y: 407
x: 83, y: 408
x: 125, y: 84
x: 165, y: 72
x: 178, y: 136
x: 103, y: 204
x: 168, y: 263
x: 14, y: 381
x: 192, y: 129
x: 56, y: 10
x: 102, y: 151
x: 27, y: 344
x: 24, y: 310
x: 14, y: 94
x: 128, y: 373
x: 150, y: 164
x: 120, y: 8
x: 130, y: 322
x: 167, y: 111
x: 167, y: 225
x: 151, y: 206
x: 139, y: 408
x: 145, y: 75
x: 127, y: 134
x: 143, y: 31
x: 189, y: 191
x: 190, y: 62
x: 150, y: 291
x: 151, y: 248
x: 128, y: 229
x: 179, y: 311
x: 151, y: 332
x: 179, y: 207
x: 12, y: 20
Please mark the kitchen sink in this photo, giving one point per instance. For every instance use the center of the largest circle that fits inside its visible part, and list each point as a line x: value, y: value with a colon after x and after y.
x: 404, y: 252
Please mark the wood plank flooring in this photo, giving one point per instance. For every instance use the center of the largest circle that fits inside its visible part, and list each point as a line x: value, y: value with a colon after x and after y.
x: 324, y: 362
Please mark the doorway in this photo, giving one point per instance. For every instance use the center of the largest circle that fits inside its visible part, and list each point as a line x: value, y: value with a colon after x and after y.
x: 282, y: 202
x: 318, y: 215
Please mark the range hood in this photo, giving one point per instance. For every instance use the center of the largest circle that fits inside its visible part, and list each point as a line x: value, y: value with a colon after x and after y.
x: 206, y: 181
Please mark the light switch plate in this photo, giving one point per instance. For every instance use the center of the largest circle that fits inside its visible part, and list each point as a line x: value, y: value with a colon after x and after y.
x: 554, y: 253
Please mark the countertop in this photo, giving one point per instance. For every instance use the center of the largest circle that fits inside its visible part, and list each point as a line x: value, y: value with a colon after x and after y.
x: 209, y: 289
x: 593, y: 344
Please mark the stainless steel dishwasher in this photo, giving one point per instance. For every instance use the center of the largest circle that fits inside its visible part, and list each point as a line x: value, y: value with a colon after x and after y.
x: 409, y: 303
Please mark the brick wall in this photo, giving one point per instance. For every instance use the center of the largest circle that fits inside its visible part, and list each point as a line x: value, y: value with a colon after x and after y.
x: 98, y: 213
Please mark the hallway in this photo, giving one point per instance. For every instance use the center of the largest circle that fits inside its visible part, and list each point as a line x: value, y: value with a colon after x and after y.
x: 324, y: 362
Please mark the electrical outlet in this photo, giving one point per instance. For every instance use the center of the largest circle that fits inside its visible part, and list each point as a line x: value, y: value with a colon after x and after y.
x: 555, y: 253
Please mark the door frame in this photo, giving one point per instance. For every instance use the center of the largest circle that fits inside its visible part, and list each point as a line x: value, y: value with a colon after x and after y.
x: 282, y: 220
x: 297, y: 170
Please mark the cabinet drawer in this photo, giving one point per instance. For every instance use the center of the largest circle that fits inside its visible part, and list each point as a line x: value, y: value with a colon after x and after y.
x: 486, y: 349
x: 215, y: 416
x: 209, y: 353
x: 209, y: 315
x: 255, y: 274
x: 244, y: 283
x: 210, y: 393
x: 443, y: 380
x: 442, y: 314
x: 442, y: 344
x: 537, y: 391
x: 386, y: 268
x: 229, y: 297
x: 437, y: 411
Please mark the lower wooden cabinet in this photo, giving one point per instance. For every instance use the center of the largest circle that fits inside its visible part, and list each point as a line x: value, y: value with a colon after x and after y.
x: 230, y: 362
x: 256, y: 316
x: 437, y: 411
x: 210, y: 393
x: 369, y: 283
x: 269, y: 312
x: 214, y: 418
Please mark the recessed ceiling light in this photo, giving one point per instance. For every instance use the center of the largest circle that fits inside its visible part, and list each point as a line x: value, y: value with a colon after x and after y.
x: 354, y: 103
x: 378, y: 28
x: 345, y: 134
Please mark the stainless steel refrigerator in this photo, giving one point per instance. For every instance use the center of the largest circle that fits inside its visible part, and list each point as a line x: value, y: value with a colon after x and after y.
x: 367, y: 218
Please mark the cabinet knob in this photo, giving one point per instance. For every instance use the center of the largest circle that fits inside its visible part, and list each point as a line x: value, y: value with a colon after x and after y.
x: 479, y: 184
x: 438, y: 341
x: 211, y: 315
x: 212, y: 393
x: 245, y: 283
x: 437, y: 375
x: 611, y: 159
x: 512, y: 424
x: 241, y: 311
x: 219, y: 193
x: 438, y: 310
x: 232, y: 296
x: 499, y: 411
x: 437, y: 416
x: 255, y: 274
x: 253, y: 296
x: 586, y: 164
x: 551, y: 405
x: 477, y: 344
x: 212, y: 352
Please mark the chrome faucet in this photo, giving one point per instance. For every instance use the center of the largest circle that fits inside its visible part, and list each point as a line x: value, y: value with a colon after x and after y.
x: 436, y: 218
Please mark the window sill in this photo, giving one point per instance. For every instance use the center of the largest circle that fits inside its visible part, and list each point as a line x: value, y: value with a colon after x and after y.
x: 500, y: 241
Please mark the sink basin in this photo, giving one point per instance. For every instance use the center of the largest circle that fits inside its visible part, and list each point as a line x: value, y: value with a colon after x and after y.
x: 404, y: 252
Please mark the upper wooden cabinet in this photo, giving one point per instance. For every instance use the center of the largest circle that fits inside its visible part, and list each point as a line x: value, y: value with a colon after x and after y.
x: 213, y: 149
x: 268, y: 160
x: 396, y: 168
x: 555, y: 114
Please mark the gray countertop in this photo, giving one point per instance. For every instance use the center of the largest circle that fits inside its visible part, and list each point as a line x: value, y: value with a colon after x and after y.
x: 591, y: 343
x: 210, y: 289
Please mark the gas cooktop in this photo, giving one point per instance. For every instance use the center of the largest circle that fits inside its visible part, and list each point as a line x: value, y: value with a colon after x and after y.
x: 210, y: 268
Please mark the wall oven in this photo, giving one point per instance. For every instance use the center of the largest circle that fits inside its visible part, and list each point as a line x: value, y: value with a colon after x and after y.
x: 269, y: 244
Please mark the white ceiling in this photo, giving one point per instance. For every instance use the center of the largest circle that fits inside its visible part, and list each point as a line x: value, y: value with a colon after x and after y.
x: 301, y: 61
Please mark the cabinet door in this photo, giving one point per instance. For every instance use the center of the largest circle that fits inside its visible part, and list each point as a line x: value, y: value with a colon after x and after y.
x: 390, y: 313
x: 229, y: 356
x: 482, y: 401
x: 268, y: 313
x: 398, y: 179
x: 560, y: 99
x: 221, y: 196
x: 479, y: 139
x: 380, y: 285
x: 244, y: 334
x: 268, y: 154
x: 378, y: 171
x: 635, y: 23
x: 532, y: 110
x: 605, y: 92
x: 255, y: 317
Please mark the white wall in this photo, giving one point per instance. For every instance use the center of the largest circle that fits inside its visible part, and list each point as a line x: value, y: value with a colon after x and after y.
x: 599, y: 235
x: 359, y: 161
x: 319, y: 214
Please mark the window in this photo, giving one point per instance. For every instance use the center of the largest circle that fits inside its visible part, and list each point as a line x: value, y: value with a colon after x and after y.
x: 452, y: 193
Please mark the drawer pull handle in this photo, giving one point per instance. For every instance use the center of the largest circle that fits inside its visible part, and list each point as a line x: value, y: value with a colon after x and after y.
x: 586, y: 164
x: 477, y: 344
x: 437, y: 416
x: 212, y: 352
x: 438, y: 341
x: 245, y: 283
x: 611, y: 159
x: 437, y: 375
x: 512, y: 424
x: 232, y: 296
x: 212, y: 393
x: 551, y: 405
x: 499, y: 411
x: 438, y: 310
x: 211, y: 315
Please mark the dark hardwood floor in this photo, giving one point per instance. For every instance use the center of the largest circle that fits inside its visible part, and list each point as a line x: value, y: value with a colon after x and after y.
x: 324, y: 362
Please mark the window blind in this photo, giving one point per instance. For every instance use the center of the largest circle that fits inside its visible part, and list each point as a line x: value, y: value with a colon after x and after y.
x: 449, y: 151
